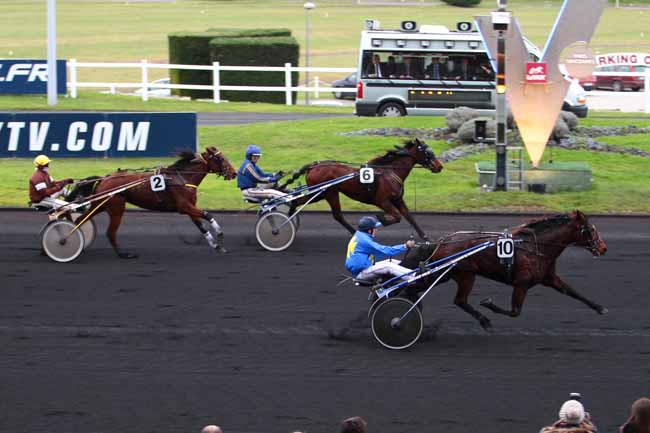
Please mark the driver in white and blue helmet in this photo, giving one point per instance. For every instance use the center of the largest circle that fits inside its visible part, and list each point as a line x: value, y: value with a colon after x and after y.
x: 253, y: 181
x: 363, y: 252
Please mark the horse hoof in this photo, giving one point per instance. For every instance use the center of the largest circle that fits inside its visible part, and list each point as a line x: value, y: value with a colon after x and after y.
x: 486, y: 324
x: 602, y: 310
x: 487, y: 302
x: 127, y: 255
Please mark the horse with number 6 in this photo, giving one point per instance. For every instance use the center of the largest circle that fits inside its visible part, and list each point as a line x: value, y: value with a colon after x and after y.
x: 537, y: 246
x: 386, y: 192
x: 174, y: 192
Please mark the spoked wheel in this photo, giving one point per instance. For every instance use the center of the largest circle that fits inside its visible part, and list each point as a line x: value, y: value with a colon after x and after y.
x: 89, y: 229
x: 285, y: 209
x: 392, y: 330
x: 275, y: 232
x: 60, y: 243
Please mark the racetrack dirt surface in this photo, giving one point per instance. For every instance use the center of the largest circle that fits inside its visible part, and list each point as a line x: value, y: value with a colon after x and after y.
x: 183, y: 337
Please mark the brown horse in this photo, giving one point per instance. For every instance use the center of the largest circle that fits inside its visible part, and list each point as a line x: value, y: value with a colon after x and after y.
x: 387, y: 191
x: 537, y: 246
x: 182, y: 180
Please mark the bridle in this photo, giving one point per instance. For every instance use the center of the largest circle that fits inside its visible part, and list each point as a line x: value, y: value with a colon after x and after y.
x: 429, y: 156
x: 587, y: 231
x: 216, y: 156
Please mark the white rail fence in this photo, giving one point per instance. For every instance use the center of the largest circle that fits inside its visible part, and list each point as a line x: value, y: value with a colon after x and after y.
x: 217, y: 88
x: 74, y: 84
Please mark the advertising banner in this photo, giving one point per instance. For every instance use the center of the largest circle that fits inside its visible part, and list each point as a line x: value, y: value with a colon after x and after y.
x: 96, y: 135
x: 18, y: 77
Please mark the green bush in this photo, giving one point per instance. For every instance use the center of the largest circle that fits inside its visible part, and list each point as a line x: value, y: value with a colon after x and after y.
x: 192, y: 48
x: 259, y: 51
x: 463, y: 3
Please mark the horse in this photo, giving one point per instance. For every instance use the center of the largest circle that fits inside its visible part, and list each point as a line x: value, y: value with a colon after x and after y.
x: 387, y: 191
x: 538, y: 245
x: 182, y: 179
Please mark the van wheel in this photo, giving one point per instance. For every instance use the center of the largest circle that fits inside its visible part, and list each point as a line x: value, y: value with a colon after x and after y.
x: 338, y: 95
x: 391, y: 109
x: 617, y: 86
x: 636, y: 89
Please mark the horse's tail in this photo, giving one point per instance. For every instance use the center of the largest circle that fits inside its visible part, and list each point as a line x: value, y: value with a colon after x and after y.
x: 85, y: 188
x: 296, y: 174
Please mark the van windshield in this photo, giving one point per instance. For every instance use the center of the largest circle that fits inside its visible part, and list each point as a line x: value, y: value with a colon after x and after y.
x: 402, y: 65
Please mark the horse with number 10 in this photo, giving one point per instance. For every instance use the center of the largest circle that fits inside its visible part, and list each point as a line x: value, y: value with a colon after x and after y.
x: 387, y: 190
x: 178, y: 195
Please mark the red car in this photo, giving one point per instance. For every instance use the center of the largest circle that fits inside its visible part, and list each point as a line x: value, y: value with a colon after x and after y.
x: 615, y: 82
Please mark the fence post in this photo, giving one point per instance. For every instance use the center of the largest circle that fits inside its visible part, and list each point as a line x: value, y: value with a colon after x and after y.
x: 216, y: 83
x: 73, y: 78
x: 145, y: 81
x: 287, y: 83
x: 647, y: 89
x: 316, y: 84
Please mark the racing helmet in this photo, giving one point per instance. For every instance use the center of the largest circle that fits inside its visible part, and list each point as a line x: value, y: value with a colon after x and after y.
x: 368, y: 222
x: 41, y: 161
x: 253, y: 150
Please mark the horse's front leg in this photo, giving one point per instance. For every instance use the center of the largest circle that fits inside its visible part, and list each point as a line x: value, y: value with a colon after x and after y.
x: 406, y: 214
x: 391, y: 213
x: 556, y: 282
x: 465, y: 281
x: 518, y: 297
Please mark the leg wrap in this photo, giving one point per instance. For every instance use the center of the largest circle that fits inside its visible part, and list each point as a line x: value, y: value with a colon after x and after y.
x: 208, y: 237
x: 215, y: 225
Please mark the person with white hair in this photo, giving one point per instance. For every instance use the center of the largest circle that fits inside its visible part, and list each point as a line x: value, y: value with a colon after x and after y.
x: 572, y: 420
x: 211, y: 429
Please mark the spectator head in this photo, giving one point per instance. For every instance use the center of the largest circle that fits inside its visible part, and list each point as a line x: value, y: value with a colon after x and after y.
x: 356, y: 424
x: 211, y: 429
x: 376, y: 59
x: 391, y: 59
x: 640, y: 414
x: 572, y: 412
x: 407, y: 60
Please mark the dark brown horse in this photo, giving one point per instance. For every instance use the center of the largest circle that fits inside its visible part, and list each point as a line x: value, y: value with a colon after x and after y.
x: 387, y: 191
x: 182, y: 180
x: 537, y: 246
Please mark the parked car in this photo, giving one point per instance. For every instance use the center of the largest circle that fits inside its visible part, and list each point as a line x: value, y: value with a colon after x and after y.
x: 348, y: 82
x: 616, y: 83
x: 157, y: 91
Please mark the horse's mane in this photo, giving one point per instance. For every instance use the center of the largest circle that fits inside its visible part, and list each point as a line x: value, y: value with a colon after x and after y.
x: 185, y: 156
x: 548, y: 222
x: 391, y: 155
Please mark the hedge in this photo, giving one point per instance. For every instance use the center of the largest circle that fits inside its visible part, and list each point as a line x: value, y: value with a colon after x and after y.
x: 463, y: 3
x: 192, y: 48
x: 274, y: 51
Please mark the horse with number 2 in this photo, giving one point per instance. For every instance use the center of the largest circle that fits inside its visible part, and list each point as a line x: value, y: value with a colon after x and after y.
x: 521, y: 257
x: 379, y: 182
x: 167, y: 189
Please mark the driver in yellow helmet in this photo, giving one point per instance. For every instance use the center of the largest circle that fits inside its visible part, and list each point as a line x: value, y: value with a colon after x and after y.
x: 43, y: 189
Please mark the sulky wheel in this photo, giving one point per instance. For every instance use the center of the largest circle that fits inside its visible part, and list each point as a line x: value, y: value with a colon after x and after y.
x: 275, y: 232
x: 285, y: 209
x: 60, y: 243
x: 89, y: 229
x: 389, y: 330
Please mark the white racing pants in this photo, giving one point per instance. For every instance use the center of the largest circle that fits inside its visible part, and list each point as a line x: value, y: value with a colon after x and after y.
x: 52, y: 202
x: 383, y: 268
x: 262, y: 193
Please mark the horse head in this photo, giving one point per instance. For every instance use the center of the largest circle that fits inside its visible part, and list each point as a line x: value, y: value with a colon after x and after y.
x: 424, y: 155
x: 586, y: 234
x: 218, y: 163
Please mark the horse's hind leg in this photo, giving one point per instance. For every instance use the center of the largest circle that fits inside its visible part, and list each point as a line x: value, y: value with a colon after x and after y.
x: 406, y: 214
x: 465, y: 281
x: 115, y: 210
x: 196, y: 215
x: 556, y: 282
x: 332, y: 198
x: 518, y: 297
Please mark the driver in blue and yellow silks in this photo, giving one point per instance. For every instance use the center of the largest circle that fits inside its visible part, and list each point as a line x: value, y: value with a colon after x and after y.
x: 252, y: 181
x: 363, y: 251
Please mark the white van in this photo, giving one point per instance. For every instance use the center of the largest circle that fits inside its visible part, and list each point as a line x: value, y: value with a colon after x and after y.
x: 432, y: 70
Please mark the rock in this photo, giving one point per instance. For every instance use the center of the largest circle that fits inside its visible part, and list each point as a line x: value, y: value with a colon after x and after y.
x: 466, y: 131
x: 560, y: 131
x: 458, y: 116
x: 570, y: 119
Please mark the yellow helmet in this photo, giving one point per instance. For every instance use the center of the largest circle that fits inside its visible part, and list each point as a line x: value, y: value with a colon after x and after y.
x: 41, y: 160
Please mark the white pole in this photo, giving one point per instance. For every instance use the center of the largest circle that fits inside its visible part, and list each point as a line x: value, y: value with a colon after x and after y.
x: 307, y: 54
x: 145, y: 80
x: 73, y: 78
x: 51, y: 53
x: 216, y: 82
x: 287, y: 83
x: 316, y: 85
x: 647, y: 90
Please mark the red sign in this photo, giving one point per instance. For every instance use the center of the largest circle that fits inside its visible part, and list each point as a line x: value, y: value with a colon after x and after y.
x: 535, y: 72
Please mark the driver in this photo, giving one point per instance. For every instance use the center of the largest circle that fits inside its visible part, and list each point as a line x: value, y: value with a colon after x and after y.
x: 43, y: 189
x: 249, y: 176
x: 363, y: 250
